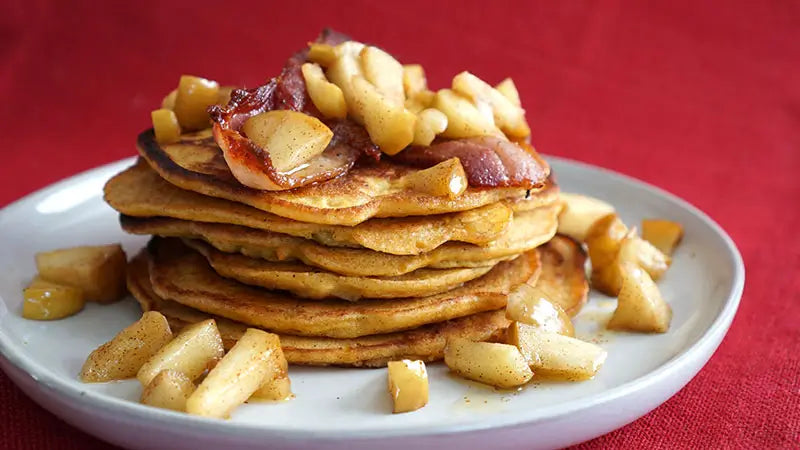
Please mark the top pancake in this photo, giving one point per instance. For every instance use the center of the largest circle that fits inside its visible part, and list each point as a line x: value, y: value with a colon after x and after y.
x: 140, y: 192
x: 370, y: 190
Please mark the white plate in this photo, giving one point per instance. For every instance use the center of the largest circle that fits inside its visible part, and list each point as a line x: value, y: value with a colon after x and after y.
x: 348, y: 408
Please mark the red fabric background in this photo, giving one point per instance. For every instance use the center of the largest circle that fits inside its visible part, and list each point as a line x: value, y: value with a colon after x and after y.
x: 700, y: 98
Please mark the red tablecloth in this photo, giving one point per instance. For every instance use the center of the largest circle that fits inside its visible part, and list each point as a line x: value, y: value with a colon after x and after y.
x: 700, y: 98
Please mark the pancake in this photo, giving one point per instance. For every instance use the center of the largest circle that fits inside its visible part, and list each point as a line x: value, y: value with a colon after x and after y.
x: 368, y: 190
x: 309, y: 282
x: 183, y: 275
x: 527, y: 231
x: 563, y: 277
x: 426, y: 343
x: 140, y: 192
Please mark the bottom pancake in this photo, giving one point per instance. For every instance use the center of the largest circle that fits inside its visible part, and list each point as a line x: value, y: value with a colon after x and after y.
x: 426, y: 343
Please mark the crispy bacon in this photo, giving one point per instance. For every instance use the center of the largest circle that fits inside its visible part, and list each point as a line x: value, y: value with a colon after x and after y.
x: 488, y: 161
x: 251, y: 165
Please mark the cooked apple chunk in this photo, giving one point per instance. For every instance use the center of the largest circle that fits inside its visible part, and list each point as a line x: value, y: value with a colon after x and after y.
x: 194, y: 96
x: 168, y: 102
x: 603, y: 240
x: 430, y: 122
x: 494, y: 364
x: 195, y: 349
x: 663, y: 234
x: 390, y: 125
x: 633, y: 250
x: 464, y: 119
x: 640, y: 306
x: 508, y: 117
x: 384, y: 72
x: 555, y: 356
x: 579, y: 213
x: 414, y: 80
x: 326, y: 96
x: 44, y: 300
x: 276, y: 386
x: 341, y: 71
x: 530, y: 305
x: 165, y: 126
x: 237, y: 376
x: 509, y: 90
x: 123, y: 356
x: 420, y: 101
x: 290, y: 138
x: 444, y: 179
x: 322, y: 54
x: 169, y: 390
x: 99, y: 271
x: 408, y: 385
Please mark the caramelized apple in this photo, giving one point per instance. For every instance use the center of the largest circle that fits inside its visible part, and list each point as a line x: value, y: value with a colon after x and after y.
x: 446, y: 178
x: 194, y: 96
x: 289, y: 137
x: 327, y: 97
x: 165, y: 126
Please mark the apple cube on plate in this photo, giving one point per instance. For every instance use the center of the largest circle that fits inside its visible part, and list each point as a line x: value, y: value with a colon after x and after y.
x: 640, y: 306
x: 663, y: 234
x: 123, y: 356
x: 556, y: 356
x: 195, y: 349
x: 408, y: 385
x: 98, y: 271
x: 499, y: 365
x: 169, y: 390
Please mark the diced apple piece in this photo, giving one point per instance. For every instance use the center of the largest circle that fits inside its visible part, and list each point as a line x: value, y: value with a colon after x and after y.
x: 640, y: 306
x: 603, y: 240
x: 290, y: 138
x: 494, y: 364
x: 195, y: 349
x: 509, y: 117
x: 195, y: 95
x: 322, y: 54
x: 556, y: 356
x: 341, y: 71
x: 165, y: 126
x: 663, y: 234
x: 414, y: 80
x: 123, y: 356
x: 384, y: 72
x: 430, y: 122
x: 390, y: 125
x: 529, y: 304
x: 408, y: 385
x: 636, y: 250
x: 276, y: 386
x: 237, y: 376
x: 44, y: 300
x: 463, y: 117
x: 168, y: 102
x: 98, y: 271
x: 169, y: 390
x: 579, y: 213
x: 420, y: 101
x: 509, y: 90
x: 327, y: 97
x: 444, y: 179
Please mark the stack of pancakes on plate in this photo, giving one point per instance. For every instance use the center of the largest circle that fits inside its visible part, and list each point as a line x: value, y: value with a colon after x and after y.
x: 354, y: 271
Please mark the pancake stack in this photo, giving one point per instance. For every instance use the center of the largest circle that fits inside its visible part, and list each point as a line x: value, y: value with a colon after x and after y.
x: 355, y: 271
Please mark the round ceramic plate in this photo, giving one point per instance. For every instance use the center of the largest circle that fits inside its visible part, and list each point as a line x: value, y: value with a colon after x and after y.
x: 349, y: 408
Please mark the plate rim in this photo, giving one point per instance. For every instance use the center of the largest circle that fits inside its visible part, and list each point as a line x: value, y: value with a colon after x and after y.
x: 146, y: 415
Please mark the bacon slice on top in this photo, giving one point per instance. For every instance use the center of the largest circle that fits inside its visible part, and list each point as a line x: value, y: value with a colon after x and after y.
x: 251, y: 165
x: 488, y: 161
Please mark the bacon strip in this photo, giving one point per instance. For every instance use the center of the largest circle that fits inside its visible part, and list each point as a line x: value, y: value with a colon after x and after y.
x: 488, y: 161
x: 251, y: 165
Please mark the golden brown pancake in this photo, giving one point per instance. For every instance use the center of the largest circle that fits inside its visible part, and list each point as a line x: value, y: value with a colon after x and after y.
x: 183, y: 275
x: 140, y: 192
x: 312, y: 283
x: 196, y: 163
x: 426, y: 343
x: 527, y: 231
x: 563, y: 276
